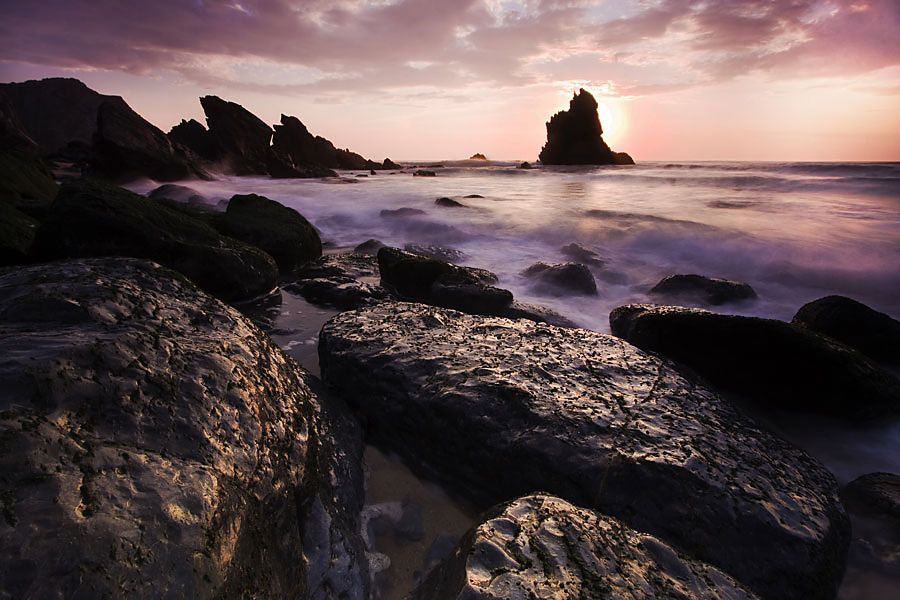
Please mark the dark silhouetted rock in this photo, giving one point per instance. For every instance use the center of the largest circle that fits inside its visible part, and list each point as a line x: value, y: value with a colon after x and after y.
x: 854, y: 324
x: 474, y: 196
x: 524, y: 165
x: 388, y: 164
x: 402, y: 212
x: 565, y: 278
x: 155, y: 442
x: 16, y: 235
x: 501, y: 408
x: 582, y: 255
x: 772, y: 362
x: 575, y: 136
x: 194, y: 136
x: 875, y: 493
x: 424, y: 173
x: 369, y: 247
x: 241, y: 138
x: 704, y: 290
x: 280, y: 231
x: 540, y: 546
x: 449, y: 203
x: 873, y: 502
x: 89, y: 218
x: 25, y: 181
x: 478, y: 156
x: 294, y: 142
x: 414, y: 277
x: 179, y: 193
x: 126, y: 146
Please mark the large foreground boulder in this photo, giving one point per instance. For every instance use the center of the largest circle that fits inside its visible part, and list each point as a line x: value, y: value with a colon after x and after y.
x: 873, y: 333
x: 281, y: 231
x: 89, y: 218
x: 575, y: 136
x: 502, y: 408
x: 543, y: 547
x: 772, y: 362
x: 154, y: 443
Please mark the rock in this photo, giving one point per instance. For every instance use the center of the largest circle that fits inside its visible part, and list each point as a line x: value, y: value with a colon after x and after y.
x: 478, y: 156
x: 181, y: 194
x: 474, y: 196
x: 126, y: 146
x: 402, y: 212
x: 155, y: 442
x: 873, y: 502
x: 281, y: 167
x: 536, y: 313
x: 16, y: 235
x: 281, y: 232
x: 294, y: 141
x: 524, y: 165
x: 875, y: 493
x: 582, y: 255
x: 771, y: 362
x: 336, y: 281
x: 369, y: 247
x: 854, y: 324
x: 90, y: 218
x: 540, y: 546
x: 194, y: 136
x: 450, y: 255
x: 449, y: 203
x: 565, y: 278
x: 390, y: 165
x: 241, y: 139
x: 25, y: 181
x: 501, y: 408
x: 424, y: 173
x: 575, y: 136
x: 432, y: 281
x: 702, y: 289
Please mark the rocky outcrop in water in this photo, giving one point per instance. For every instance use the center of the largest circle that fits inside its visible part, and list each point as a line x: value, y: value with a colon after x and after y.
x: 543, y: 547
x: 478, y: 156
x: 562, y: 279
x: 90, y: 219
x: 854, y: 324
x: 703, y: 290
x: 281, y: 232
x: 240, y: 138
x: 575, y: 137
x: 155, y: 443
x: 294, y: 142
x: 502, y: 408
x: 193, y: 135
x: 771, y: 362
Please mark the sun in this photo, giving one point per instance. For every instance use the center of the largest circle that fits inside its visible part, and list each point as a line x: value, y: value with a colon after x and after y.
x: 607, y: 119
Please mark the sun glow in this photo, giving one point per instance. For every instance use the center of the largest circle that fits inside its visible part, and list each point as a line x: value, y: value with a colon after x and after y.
x: 612, y: 117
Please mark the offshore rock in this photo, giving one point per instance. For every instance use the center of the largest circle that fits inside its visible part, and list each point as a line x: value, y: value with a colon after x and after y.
x: 768, y: 361
x: 153, y: 442
x: 502, y: 408
x: 92, y: 219
x: 280, y: 231
x: 560, y: 279
x: 575, y: 136
x: 241, y: 139
x: 854, y: 324
x: 540, y: 547
x: 706, y: 290
x: 294, y: 142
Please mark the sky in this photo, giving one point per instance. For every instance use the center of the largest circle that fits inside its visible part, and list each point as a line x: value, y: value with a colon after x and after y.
x: 814, y: 80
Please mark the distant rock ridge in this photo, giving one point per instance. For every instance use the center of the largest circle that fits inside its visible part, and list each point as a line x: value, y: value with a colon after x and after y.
x: 575, y: 136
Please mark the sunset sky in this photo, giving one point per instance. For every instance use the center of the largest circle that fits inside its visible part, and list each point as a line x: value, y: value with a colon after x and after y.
x: 676, y: 79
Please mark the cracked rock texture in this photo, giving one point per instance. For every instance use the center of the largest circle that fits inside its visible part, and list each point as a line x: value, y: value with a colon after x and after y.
x: 503, y: 408
x: 154, y: 443
x: 543, y: 547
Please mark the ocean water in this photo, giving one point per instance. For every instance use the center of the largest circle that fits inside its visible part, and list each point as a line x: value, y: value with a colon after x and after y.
x: 794, y: 231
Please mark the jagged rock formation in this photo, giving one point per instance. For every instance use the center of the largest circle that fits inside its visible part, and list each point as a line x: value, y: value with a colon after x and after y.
x: 294, y: 142
x: 543, y: 547
x: 873, y: 333
x: 478, y: 156
x: 575, y: 137
x: 91, y: 219
x: 156, y: 443
x: 191, y: 134
x: 502, y: 408
x: 240, y: 138
x: 772, y: 362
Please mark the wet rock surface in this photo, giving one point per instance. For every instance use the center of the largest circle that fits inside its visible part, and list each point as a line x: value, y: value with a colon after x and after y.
x: 702, y: 289
x: 155, y: 443
x: 90, y: 219
x: 342, y: 281
x: 580, y: 254
x: 771, y: 362
x: 502, y: 408
x: 563, y: 278
x: 540, y: 546
x: 854, y: 324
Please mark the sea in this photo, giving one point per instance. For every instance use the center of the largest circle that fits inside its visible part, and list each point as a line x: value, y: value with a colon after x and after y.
x: 794, y: 231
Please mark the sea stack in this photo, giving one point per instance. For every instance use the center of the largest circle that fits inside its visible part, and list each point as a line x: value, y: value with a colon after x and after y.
x: 575, y: 136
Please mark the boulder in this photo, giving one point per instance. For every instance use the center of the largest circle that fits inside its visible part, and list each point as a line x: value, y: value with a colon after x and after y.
x: 90, y: 218
x: 280, y: 231
x: 194, y: 136
x: 390, y: 165
x: 369, y: 247
x: 524, y: 165
x: 16, y: 235
x: 873, y: 502
x: 875, y: 494
x: 449, y: 203
x: 854, y: 324
x: 540, y: 546
x: 575, y: 136
x: 702, y: 289
x: 156, y: 443
x: 580, y: 254
x: 423, y: 173
x: 444, y: 253
x: 402, y: 212
x: 474, y: 196
x: 562, y: 279
x: 25, y: 181
x: 500, y: 408
x: 241, y: 138
x: 770, y: 362
x: 126, y: 146
x: 179, y: 193
x: 478, y: 156
x: 341, y: 281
